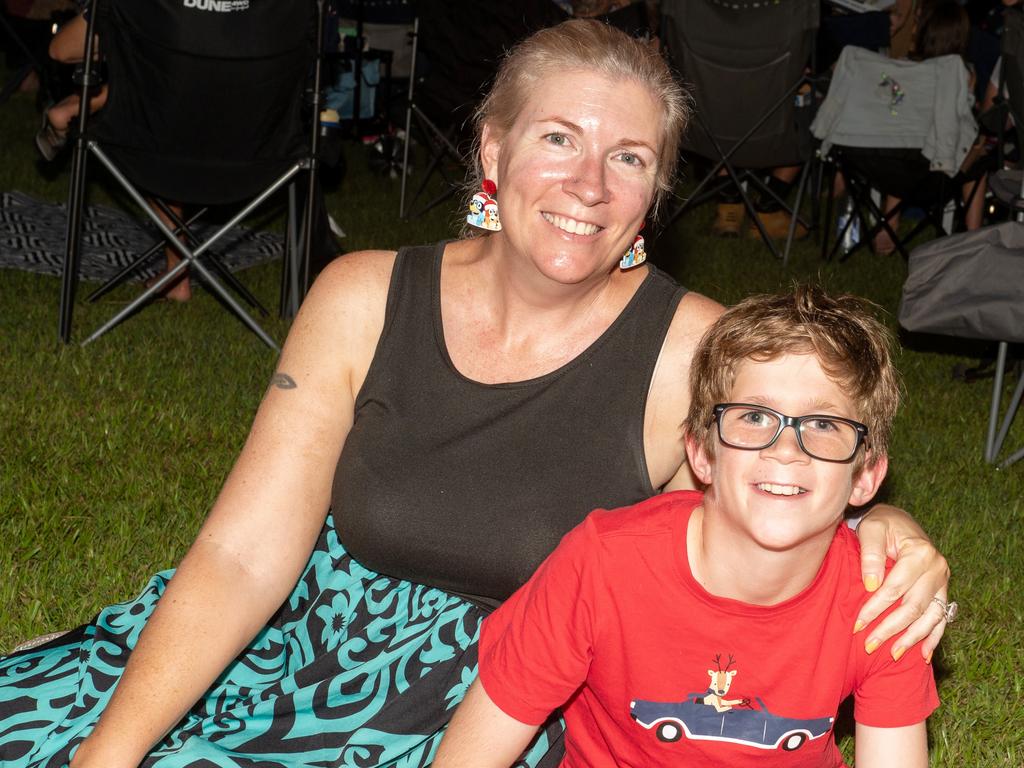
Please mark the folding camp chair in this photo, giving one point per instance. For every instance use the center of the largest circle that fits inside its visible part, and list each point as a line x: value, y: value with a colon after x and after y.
x: 456, y: 49
x: 204, y: 107
x: 901, y: 128
x: 746, y: 64
x: 971, y: 285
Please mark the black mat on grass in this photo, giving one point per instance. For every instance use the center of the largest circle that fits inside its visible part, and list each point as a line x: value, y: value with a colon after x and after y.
x: 32, y: 239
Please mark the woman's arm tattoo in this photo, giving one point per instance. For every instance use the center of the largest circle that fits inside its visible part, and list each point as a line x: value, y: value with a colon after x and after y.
x: 282, y: 381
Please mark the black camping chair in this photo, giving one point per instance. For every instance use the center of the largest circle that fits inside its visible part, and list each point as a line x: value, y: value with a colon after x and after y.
x: 896, y: 128
x: 205, y: 108
x: 746, y: 64
x: 456, y: 49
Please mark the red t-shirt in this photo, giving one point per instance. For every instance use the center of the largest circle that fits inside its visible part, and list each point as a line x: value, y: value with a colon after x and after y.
x: 653, y: 670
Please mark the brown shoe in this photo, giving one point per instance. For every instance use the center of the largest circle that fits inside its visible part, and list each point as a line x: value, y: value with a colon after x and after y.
x: 728, y: 220
x: 776, y: 224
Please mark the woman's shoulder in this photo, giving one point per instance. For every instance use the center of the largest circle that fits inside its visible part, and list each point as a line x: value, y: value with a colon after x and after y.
x: 343, y: 314
x: 669, y: 397
x: 693, y: 316
x: 352, y: 274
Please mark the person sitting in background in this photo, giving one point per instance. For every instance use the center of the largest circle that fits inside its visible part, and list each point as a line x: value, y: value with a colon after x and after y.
x: 639, y: 605
x: 943, y: 29
x: 439, y: 418
x: 66, y: 47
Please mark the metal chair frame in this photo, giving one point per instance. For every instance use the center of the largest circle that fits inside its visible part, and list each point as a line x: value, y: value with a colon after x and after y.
x: 192, y: 252
x: 439, y: 143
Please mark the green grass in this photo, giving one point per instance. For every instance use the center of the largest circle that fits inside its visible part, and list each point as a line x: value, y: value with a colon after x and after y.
x: 110, y: 455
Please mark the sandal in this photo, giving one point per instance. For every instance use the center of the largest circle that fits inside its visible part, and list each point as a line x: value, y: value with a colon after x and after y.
x: 49, y: 141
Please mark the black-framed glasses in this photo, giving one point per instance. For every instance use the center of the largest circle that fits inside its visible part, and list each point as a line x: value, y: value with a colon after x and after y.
x: 755, y: 427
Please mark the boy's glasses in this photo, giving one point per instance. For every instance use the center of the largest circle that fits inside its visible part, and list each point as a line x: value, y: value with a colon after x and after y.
x: 754, y: 427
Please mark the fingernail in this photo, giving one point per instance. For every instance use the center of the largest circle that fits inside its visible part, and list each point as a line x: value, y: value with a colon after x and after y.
x: 928, y: 658
x: 897, y: 653
x: 858, y: 626
x: 872, y: 644
x: 871, y: 582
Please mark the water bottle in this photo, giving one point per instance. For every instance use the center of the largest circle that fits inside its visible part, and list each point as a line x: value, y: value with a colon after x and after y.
x: 852, y: 234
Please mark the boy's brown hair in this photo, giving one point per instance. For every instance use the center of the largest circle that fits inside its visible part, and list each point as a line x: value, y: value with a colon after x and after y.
x: 853, y: 347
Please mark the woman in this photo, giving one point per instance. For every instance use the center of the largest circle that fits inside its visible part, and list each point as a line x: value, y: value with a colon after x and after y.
x: 457, y: 408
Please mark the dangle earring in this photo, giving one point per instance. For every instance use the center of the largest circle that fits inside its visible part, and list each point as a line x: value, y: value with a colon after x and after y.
x: 483, y: 208
x: 637, y: 253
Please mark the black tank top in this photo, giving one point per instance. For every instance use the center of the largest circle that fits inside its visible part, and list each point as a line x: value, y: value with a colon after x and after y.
x: 467, y: 486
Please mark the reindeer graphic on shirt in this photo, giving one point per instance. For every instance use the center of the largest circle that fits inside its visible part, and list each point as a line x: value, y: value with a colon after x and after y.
x: 721, y: 681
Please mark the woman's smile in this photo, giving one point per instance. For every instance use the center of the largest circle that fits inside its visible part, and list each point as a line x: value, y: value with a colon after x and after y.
x: 571, y: 226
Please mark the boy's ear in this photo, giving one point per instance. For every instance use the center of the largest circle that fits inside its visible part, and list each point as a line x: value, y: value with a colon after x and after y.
x: 700, y: 461
x: 490, y: 151
x: 868, y: 479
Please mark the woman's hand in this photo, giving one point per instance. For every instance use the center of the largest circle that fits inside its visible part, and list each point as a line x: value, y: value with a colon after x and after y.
x: 920, y: 574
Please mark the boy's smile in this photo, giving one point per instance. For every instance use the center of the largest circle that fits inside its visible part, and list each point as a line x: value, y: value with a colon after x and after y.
x: 778, y: 500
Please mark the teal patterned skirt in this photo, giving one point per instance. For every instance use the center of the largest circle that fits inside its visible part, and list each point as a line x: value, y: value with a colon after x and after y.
x: 356, y: 669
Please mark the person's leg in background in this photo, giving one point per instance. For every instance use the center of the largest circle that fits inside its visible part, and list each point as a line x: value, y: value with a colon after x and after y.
x: 180, y: 289
x: 775, y: 218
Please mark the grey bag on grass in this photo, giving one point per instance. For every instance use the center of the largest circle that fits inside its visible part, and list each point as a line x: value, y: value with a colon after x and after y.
x: 969, y: 285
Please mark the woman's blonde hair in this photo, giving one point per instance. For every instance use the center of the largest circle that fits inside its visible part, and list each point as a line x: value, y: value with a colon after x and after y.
x: 584, y: 44
x: 853, y: 347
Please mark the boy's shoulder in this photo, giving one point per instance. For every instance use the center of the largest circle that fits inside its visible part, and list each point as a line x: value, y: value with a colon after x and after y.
x: 655, y: 515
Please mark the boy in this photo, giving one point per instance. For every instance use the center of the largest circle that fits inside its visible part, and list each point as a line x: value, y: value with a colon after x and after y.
x: 717, y: 629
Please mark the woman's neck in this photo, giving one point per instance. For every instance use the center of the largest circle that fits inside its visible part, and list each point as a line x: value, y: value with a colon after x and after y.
x: 505, y: 321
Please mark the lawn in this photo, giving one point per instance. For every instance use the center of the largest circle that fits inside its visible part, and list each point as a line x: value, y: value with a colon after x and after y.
x: 113, y: 453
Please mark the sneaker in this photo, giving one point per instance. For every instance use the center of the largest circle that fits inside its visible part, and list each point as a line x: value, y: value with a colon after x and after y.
x: 728, y: 220
x: 776, y: 224
x: 49, y: 141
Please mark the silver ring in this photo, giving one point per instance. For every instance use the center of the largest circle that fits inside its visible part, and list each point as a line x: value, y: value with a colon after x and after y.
x: 950, y: 610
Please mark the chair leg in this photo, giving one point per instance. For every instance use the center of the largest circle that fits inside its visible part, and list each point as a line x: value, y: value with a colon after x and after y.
x: 190, y: 258
x: 826, y: 225
x: 226, y: 275
x: 441, y: 146
x: 121, y: 276
x: 804, y: 177
x: 291, y: 268
x: 747, y: 202
x: 72, y: 239
x: 408, y: 117
x: 994, y: 442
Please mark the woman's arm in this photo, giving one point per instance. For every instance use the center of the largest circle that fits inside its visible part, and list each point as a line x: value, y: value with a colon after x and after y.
x: 481, y: 735
x: 68, y: 45
x: 259, y: 534
x: 905, y: 747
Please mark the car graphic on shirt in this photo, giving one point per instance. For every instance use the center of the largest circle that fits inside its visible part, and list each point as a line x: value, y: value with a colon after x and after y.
x: 753, y: 725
